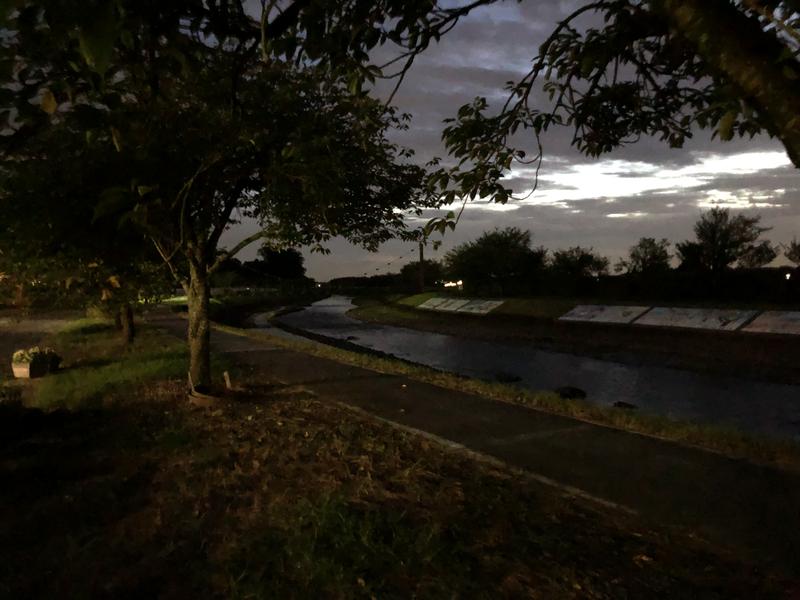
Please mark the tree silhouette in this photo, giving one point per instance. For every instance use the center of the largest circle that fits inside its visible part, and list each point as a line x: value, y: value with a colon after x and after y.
x: 723, y: 239
x: 760, y: 255
x: 500, y: 260
x: 286, y: 263
x: 647, y: 256
x: 578, y: 262
x: 792, y: 251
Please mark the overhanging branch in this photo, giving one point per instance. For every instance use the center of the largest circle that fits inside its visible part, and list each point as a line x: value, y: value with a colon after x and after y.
x: 753, y: 60
x: 236, y: 249
x: 168, y: 261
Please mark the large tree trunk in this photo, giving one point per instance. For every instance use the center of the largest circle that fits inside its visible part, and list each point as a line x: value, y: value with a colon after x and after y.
x: 199, y: 295
x: 126, y: 323
x: 743, y: 53
x: 19, y: 295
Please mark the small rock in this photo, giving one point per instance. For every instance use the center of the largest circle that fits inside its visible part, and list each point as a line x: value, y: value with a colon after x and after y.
x: 569, y: 392
x: 507, y: 377
x: 625, y: 405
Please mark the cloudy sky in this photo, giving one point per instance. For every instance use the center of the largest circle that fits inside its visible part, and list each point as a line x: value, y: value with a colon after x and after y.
x: 646, y: 189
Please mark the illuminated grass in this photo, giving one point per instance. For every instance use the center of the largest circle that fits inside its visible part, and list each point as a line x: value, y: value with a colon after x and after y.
x: 418, y: 299
x: 97, y: 364
x: 183, y: 301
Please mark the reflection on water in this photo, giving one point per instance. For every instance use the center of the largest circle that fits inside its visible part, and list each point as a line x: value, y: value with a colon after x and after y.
x: 760, y: 407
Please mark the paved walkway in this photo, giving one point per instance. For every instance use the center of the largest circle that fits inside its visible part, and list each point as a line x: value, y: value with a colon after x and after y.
x: 755, y: 510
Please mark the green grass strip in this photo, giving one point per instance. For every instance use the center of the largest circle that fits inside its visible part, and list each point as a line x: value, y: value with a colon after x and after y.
x: 97, y: 363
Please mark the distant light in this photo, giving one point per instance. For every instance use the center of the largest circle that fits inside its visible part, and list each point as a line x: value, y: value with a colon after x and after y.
x: 788, y: 276
x: 460, y: 283
x: 451, y: 283
x: 319, y: 285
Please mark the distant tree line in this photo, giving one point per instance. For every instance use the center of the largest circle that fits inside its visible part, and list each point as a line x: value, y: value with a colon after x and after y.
x: 270, y: 267
x: 724, y: 261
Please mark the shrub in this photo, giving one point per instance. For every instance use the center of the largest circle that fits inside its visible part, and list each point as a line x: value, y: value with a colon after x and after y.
x: 37, y: 356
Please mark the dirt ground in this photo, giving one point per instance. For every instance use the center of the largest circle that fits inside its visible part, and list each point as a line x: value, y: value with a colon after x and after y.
x: 288, y: 497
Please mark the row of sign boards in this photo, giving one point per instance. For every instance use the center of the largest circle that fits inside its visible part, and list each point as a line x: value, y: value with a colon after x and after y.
x: 461, y: 305
x: 717, y: 319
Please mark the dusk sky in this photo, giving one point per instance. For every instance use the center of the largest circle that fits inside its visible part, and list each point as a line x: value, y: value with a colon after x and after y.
x: 646, y: 189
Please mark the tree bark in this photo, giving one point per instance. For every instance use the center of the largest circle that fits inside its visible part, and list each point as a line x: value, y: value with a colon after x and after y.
x: 19, y: 295
x: 743, y: 53
x: 126, y: 322
x: 199, y: 295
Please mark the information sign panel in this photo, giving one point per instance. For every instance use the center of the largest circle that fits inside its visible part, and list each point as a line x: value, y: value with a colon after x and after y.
x: 480, y: 307
x: 776, y: 321
x: 452, y: 305
x: 697, y: 318
x: 432, y: 303
x: 594, y: 313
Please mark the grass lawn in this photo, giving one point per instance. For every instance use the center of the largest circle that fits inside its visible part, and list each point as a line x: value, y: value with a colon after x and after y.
x: 97, y: 365
x: 284, y: 496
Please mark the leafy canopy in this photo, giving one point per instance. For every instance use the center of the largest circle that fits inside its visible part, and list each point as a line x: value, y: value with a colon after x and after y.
x: 282, y: 264
x: 578, y: 262
x: 722, y: 239
x: 647, y: 256
x: 501, y: 258
x: 51, y: 246
x: 792, y: 251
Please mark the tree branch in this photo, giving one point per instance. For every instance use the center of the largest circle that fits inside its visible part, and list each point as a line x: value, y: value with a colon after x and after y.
x: 168, y: 261
x: 224, y: 218
x: 281, y: 23
x: 236, y: 249
x: 753, y: 60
